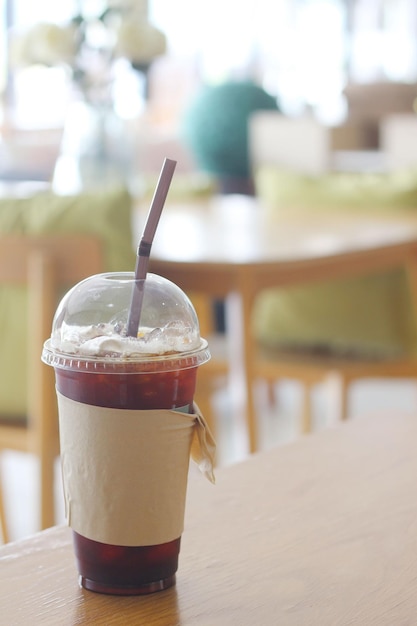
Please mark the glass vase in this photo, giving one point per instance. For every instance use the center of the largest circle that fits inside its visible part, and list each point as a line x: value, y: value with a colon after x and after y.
x: 97, y: 150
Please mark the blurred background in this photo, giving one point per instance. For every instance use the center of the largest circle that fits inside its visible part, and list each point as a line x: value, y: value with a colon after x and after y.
x: 305, y: 53
x: 92, y: 91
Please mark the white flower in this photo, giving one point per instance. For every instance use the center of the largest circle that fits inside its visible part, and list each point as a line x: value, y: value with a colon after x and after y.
x: 46, y: 44
x: 90, y: 43
x: 139, y: 6
x: 139, y: 41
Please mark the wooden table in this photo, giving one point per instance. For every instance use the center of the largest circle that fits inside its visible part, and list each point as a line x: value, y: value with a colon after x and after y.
x: 233, y: 248
x: 319, y: 532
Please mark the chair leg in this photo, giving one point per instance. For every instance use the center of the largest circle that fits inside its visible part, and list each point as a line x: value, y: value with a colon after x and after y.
x: 338, y: 387
x: 306, y: 414
x: 3, y: 524
x: 203, y: 398
x: 344, y: 412
x: 47, y: 495
x: 270, y: 392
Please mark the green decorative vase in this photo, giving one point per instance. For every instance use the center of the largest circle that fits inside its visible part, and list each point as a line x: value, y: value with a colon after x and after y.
x: 215, y: 129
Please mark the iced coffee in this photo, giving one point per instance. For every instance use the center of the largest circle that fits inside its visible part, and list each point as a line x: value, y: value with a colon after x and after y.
x: 127, y: 425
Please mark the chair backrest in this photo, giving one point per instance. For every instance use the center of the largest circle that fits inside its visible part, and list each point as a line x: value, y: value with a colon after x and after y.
x: 296, y: 144
x: 398, y: 140
x: 47, y: 265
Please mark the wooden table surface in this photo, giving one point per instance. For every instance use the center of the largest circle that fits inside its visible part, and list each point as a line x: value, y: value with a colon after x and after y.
x: 320, y: 532
x: 233, y: 248
x: 239, y: 230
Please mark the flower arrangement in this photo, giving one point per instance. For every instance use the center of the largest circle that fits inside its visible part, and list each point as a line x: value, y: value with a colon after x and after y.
x: 90, y: 44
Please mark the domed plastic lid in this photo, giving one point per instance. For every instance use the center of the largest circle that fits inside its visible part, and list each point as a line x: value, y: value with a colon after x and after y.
x: 89, y: 327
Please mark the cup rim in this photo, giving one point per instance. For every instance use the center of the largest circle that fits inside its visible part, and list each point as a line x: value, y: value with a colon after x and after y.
x: 136, y: 365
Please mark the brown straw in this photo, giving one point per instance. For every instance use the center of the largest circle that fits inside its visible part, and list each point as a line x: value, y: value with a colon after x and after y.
x: 144, y: 248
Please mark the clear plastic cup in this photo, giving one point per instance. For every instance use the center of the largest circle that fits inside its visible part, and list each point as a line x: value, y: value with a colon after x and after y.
x: 125, y: 411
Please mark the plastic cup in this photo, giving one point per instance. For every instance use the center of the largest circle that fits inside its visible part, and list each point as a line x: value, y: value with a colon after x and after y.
x: 125, y: 411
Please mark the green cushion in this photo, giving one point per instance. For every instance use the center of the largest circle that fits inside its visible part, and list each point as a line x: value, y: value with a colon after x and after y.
x: 105, y: 214
x: 365, y: 316
x: 184, y: 187
x: 282, y: 189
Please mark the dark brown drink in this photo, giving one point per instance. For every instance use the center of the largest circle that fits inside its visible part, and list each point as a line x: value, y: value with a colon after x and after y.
x: 128, y: 570
x: 124, y: 451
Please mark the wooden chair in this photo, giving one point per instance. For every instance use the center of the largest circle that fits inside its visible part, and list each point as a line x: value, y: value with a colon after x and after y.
x: 298, y: 144
x: 309, y: 369
x: 305, y: 146
x: 397, y: 139
x: 336, y: 373
x: 47, y: 265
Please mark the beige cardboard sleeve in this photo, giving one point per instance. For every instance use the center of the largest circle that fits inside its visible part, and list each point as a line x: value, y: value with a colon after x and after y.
x: 125, y: 471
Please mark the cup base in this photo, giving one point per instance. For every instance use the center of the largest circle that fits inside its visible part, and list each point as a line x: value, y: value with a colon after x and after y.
x: 137, y: 590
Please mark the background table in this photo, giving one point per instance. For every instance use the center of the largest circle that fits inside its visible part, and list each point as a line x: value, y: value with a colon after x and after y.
x: 320, y: 532
x: 231, y: 247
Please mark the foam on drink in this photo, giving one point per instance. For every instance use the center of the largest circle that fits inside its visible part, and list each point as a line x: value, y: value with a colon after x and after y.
x: 108, y: 340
